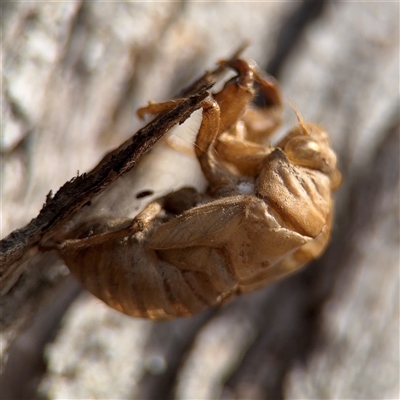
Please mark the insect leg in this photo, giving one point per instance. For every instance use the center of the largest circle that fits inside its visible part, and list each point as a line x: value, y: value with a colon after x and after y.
x: 138, y: 224
x: 157, y: 108
x: 211, y: 165
x: 236, y: 95
x: 235, y: 144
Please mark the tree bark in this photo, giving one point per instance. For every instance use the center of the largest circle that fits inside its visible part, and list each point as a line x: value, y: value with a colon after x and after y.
x: 74, y: 75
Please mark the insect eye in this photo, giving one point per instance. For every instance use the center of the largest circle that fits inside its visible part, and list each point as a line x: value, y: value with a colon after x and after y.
x: 304, y: 152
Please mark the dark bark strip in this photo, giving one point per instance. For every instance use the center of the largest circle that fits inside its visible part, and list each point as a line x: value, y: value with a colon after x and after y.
x: 291, y: 32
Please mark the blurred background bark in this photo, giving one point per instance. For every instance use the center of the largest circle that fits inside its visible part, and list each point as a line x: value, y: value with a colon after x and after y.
x: 74, y: 74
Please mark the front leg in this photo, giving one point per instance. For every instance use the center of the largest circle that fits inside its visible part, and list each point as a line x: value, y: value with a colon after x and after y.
x: 243, y: 130
x: 221, y: 182
x: 235, y: 98
x: 236, y: 95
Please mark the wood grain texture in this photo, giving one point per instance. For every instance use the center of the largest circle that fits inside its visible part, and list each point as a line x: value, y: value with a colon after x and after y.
x: 74, y: 73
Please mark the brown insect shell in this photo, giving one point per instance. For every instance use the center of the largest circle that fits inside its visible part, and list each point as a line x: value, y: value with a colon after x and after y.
x: 214, y: 251
x: 231, y: 245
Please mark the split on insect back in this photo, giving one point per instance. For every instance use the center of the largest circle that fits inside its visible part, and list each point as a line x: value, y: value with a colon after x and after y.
x: 266, y: 212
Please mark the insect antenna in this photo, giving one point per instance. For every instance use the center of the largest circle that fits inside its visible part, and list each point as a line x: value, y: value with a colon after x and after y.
x: 299, y: 117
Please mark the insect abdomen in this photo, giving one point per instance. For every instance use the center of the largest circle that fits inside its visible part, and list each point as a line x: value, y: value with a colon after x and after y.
x: 133, y: 279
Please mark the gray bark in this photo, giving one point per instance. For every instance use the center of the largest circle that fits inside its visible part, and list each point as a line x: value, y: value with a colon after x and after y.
x: 74, y: 74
